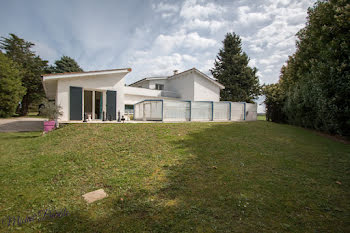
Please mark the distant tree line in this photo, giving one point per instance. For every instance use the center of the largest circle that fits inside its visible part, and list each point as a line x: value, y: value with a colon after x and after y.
x: 314, y: 86
x: 20, y: 74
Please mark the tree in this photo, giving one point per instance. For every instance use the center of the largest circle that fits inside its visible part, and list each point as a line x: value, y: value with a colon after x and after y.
x: 65, y: 64
x: 11, y: 89
x: 232, y: 70
x: 315, y: 83
x: 274, y: 100
x: 31, y: 66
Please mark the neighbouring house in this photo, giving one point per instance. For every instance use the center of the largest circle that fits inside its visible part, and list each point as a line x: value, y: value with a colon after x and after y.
x: 100, y: 95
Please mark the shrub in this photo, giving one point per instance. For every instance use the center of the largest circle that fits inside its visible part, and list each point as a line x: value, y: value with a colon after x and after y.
x: 51, y: 110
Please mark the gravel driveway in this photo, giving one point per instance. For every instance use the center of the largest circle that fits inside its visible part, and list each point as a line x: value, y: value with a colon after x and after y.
x: 21, y: 124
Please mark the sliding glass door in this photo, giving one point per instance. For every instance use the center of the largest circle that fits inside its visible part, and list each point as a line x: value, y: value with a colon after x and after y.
x: 93, y: 105
x: 88, y: 104
x: 98, y: 105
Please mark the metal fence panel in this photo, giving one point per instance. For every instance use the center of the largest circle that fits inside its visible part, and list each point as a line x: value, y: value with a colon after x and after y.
x: 201, y: 111
x: 237, y: 111
x: 221, y: 111
x: 176, y: 110
x: 251, y: 112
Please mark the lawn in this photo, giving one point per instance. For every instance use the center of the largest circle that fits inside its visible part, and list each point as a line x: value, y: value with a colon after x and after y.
x: 261, y: 117
x: 189, y: 177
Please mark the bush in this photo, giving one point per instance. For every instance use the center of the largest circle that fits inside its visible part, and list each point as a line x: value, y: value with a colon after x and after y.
x: 51, y: 110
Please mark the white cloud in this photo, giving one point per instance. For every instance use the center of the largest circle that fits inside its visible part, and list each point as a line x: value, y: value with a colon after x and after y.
x: 148, y: 64
x: 167, y: 10
x: 192, y: 10
x: 211, y: 25
x: 269, y: 33
x: 252, y: 62
x: 255, y: 48
x: 206, y: 65
x: 167, y: 15
x: 275, y: 58
x: 191, y: 41
x: 165, y: 7
x: 246, y: 17
x: 189, y: 58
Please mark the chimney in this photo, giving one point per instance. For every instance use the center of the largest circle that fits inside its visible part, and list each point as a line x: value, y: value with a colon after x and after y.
x: 175, y: 72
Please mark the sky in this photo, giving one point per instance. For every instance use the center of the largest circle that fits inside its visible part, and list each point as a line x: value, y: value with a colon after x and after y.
x: 156, y: 37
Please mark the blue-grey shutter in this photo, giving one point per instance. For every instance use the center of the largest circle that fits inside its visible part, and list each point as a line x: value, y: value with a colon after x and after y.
x: 111, y: 105
x: 76, y: 103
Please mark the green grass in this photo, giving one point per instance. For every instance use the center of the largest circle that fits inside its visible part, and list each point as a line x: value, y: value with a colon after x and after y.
x: 261, y: 118
x: 190, y: 177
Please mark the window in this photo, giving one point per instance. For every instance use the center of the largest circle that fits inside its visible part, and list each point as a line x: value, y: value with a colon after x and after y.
x: 129, y: 109
x: 159, y: 86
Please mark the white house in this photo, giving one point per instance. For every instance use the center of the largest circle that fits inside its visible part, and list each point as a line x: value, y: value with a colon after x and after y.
x: 190, y: 85
x: 98, y: 95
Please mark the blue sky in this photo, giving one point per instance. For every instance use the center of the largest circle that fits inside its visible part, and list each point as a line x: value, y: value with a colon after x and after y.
x: 156, y: 37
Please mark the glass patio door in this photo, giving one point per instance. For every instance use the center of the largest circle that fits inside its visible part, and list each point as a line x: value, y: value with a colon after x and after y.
x: 98, y: 105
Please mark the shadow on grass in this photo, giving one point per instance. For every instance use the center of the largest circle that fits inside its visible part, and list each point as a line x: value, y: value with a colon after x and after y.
x: 220, y: 186
x: 13, y: 136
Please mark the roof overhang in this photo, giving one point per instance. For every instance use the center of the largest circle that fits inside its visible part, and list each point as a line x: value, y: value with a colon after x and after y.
x: 82, y: 74
x: 50, y: 80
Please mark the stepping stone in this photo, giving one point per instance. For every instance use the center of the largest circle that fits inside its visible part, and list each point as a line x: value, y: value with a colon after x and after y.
x: 95, y: 196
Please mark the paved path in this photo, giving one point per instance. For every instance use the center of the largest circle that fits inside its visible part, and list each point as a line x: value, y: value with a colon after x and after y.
x: 21, y: 124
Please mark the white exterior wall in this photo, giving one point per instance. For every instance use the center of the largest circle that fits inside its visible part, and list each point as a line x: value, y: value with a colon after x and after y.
x: 133, y: 95
x: 204, y: 90
x: 143, y: 84
x: 189, y: 86
x: 103, y: 83
x: 152, y: 84
x: 183, y: 85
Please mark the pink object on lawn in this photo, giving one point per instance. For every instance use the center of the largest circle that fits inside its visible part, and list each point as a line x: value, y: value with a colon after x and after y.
x: 49, y: 125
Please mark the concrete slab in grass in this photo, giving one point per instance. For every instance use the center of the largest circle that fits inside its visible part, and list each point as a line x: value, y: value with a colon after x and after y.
x: 95, y: 195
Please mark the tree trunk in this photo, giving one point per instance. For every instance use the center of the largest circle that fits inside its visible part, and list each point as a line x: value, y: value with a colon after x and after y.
x: 25, y: 105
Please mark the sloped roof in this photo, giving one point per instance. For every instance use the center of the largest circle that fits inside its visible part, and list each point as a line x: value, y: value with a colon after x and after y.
x: 180, y: 74
x: 201, y: 74
x: 149, y: 78
x: 84, y: 73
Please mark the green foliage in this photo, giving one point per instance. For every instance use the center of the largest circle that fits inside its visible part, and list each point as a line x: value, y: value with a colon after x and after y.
x: 274, y: 100
x: 316, y: 80
x: 232, y: 70
x: 65, y: 64
x: 31, y: 66
x: 51, y: 110
x: 11, y: 89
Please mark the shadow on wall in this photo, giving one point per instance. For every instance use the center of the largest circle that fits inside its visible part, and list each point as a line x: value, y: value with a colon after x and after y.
x: 223, y: 183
